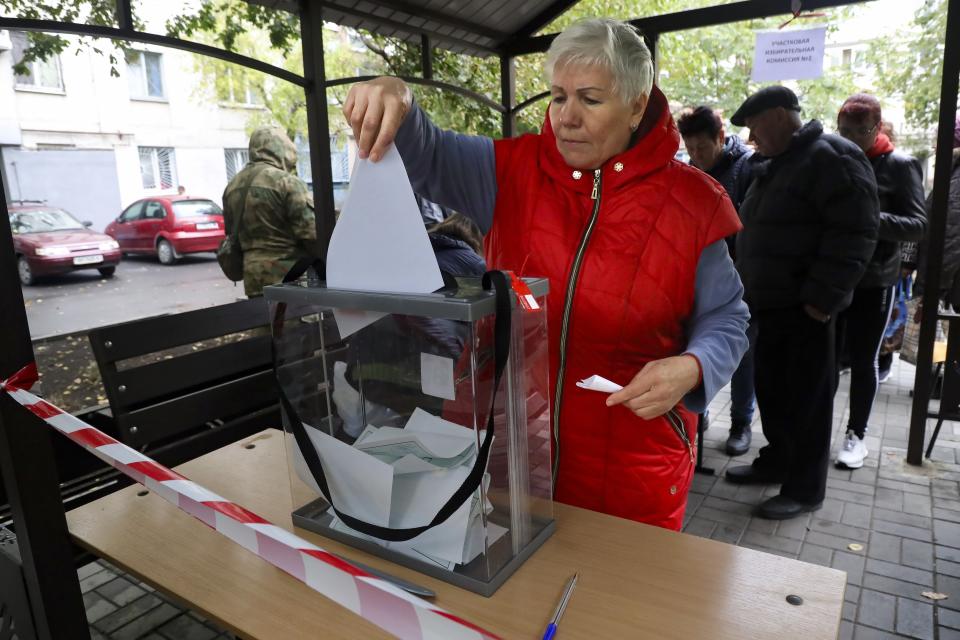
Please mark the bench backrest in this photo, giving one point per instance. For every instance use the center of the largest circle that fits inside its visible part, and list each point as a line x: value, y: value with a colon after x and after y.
x: 177, y: 399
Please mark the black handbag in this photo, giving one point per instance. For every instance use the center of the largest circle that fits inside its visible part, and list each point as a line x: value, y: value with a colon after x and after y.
x: 230, y: 254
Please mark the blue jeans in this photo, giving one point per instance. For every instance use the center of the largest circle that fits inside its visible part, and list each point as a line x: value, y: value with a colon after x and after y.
x: 742, y: 397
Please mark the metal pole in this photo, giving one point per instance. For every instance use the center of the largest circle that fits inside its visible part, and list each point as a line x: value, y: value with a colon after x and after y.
x: 426, y: 57
x: 653, y: 43
x: 30, y: 476
x: 16, y: 178
x: 508, y: 90
x: 124, y: 15
x: 318, y: 126
x: 935, y: 233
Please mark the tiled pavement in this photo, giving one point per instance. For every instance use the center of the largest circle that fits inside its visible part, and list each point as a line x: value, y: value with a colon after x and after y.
x: 905, y: 520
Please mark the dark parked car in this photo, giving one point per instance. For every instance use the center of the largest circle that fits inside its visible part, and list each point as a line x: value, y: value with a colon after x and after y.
x: 168, y: 227
x: 48, y: 240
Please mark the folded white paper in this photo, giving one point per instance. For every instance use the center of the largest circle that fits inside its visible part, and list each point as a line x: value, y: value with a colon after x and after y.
x: 599, y: 383
x: 379, y: 242
x: 403, y: 477
x: 361, y: 485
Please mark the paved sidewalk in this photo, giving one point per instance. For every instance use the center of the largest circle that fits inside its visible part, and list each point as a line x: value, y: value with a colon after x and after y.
x: 906, y: 521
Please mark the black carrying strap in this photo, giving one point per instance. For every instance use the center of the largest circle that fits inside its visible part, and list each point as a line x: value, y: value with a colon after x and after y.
x: 300, y: 267
x: 500, y: 283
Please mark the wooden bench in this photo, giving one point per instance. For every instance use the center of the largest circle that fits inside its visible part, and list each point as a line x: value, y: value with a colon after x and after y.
x: 182, y: 385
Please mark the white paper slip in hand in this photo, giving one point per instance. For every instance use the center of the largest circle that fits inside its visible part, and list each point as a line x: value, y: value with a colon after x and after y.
x: 599, y: 383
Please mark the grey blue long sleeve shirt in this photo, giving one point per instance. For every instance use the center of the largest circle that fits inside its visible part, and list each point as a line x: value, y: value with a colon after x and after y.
x: 459, y: 171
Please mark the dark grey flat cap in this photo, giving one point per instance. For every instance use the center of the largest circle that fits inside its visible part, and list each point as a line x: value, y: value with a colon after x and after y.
x: 766, y: 98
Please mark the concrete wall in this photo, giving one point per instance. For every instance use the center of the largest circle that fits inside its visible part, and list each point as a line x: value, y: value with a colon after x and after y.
x: 84, y: 182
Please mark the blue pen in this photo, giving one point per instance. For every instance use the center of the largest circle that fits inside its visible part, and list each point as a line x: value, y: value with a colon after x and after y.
x: 552, y: 627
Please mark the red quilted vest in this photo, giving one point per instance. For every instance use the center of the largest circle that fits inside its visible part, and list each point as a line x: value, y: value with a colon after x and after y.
x: 626, y: 262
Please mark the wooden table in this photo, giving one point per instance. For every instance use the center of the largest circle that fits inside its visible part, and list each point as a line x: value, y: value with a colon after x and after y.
x: 636, y: 581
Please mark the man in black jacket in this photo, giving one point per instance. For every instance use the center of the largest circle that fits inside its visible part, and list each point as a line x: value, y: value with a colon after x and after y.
x: 810, y: 227
x: 728, y: 161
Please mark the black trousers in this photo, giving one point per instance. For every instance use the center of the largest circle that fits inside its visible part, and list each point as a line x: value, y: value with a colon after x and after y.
x: 795, y: 377
x: 860, y: 330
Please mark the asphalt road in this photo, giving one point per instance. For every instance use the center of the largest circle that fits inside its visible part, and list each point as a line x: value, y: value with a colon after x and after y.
x: 141, y: 287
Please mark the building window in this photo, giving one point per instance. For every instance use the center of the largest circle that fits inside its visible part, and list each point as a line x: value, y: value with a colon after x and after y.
x: 145, y: 74
x: 237, y: 88
x: 158, y: 169
x: 236, y: 160
x: 847, y: 57
x: 41, y: 74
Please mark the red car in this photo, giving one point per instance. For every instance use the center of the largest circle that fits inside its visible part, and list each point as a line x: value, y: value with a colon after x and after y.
x: 48, y: 240
x: 168, y: 227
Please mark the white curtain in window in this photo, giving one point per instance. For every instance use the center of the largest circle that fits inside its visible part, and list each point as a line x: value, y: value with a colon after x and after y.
x: 158, y: 168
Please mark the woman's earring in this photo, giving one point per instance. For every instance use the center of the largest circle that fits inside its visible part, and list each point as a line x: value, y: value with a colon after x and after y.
x: 634, y: 127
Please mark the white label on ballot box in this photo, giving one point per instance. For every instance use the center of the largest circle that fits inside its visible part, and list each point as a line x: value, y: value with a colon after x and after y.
x: 436, y: 376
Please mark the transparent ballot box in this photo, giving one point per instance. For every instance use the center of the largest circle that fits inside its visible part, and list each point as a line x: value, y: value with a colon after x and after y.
x: 387, y: 402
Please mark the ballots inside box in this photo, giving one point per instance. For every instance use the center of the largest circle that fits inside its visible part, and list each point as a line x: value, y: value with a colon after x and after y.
x: 418, y: 436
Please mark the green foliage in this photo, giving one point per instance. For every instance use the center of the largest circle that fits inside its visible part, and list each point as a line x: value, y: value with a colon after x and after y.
x: 712, y: 65
x: 43, y: 45
x: 910, y: 65
x: 704, y: 66
x: 231, y: 20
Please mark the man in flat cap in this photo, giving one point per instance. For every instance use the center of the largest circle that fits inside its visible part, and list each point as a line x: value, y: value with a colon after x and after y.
x: 810, y: 226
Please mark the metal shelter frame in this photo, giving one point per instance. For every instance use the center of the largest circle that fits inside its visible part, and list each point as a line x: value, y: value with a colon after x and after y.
x: 39, y: 589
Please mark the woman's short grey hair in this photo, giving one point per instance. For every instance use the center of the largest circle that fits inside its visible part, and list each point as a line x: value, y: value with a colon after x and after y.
x: 611, y: 44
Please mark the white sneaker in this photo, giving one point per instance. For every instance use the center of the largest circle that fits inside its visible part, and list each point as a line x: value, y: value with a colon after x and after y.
x: 852, y: 451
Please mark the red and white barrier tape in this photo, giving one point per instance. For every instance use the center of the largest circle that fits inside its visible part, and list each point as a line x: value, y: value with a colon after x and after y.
x: 375, y: 600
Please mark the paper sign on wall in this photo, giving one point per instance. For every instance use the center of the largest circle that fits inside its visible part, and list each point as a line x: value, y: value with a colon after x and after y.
x: 789, y: 55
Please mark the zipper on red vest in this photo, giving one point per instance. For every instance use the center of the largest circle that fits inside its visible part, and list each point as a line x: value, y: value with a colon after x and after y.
x: 565, y: 324
x: 676, y: 423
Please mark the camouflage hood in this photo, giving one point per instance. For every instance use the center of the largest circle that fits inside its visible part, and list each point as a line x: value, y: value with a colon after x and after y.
x: 271, y: 145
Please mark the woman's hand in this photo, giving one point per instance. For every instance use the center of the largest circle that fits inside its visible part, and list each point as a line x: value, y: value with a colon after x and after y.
x: 659, y: 386
x: 375, y: 110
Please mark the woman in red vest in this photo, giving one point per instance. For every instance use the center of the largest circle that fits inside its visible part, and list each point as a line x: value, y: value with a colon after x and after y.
x: 642, y: 290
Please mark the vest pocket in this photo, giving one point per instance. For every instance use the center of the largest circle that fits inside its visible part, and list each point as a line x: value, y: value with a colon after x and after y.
x: 676, y: 423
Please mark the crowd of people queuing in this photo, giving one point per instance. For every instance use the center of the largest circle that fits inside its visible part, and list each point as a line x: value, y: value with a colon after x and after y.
x: 765, y: 263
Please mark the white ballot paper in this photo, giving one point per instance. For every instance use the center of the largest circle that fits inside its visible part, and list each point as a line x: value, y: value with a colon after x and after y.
x: 379, y: 242
x: 361, y: 485
x: 599, y: 383
x: 400, y: 478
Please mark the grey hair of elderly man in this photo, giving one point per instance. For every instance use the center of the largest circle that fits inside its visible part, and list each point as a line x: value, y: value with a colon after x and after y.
x: 611, y: 44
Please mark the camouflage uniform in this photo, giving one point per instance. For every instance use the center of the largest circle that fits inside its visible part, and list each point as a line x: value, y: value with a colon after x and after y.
x: 276, y: 207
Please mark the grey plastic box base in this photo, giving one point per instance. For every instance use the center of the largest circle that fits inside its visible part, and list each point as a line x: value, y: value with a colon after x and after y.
x: 314, y: 517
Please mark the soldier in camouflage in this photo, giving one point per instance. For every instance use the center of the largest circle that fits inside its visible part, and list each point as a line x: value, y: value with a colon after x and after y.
x: 274, y: 208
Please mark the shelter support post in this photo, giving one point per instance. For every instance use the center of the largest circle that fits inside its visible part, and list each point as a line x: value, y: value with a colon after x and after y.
x: 508, y: 89
x: 936, y: 228
x: 314, y: 72
x: 46, y: 569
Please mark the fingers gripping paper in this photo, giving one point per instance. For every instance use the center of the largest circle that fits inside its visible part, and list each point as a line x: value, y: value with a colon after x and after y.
x: 379, y: 242
x: 599, y: 383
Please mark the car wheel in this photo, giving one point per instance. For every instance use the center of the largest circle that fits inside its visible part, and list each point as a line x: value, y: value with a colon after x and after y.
x: 166, y: 253
x: 107, y: 272
x: 25, y: 272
